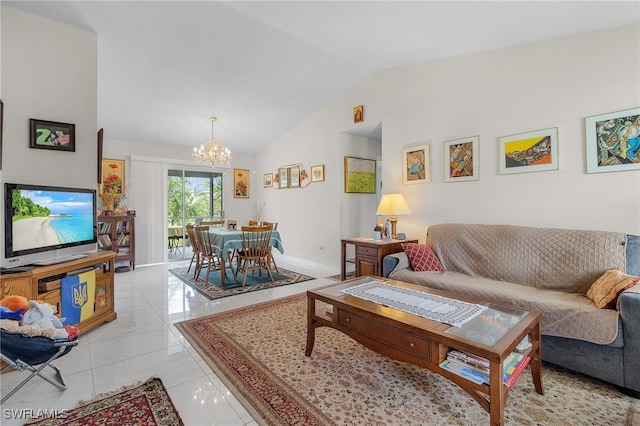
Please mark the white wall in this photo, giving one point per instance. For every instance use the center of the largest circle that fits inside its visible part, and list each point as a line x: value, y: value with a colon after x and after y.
x: 49, y: 72
x: 495, y: 93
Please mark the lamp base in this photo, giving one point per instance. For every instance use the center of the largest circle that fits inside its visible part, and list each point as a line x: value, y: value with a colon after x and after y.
x: 393, y: 221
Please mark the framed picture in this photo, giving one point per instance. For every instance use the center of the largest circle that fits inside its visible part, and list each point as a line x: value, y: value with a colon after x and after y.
x: 535, y: 151
x: 284, y: 177
x: 416, y: 165
x: 461, y: 162
x: 267, y: 180
x: 358, y: 114
x: 294, y: 177
x: 52, y: 135
x: 359, y: 175
x: 613, y: 141
x: 100, y: 143
x: 112, y: 176
x: 241, y: 183
x: 317, y: 173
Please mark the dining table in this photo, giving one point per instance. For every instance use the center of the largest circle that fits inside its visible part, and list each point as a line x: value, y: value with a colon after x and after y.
x: 223, y: 241
x: 174, y: 233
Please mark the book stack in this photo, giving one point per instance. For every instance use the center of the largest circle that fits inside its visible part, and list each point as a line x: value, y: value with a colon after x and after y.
x: 476, y: 368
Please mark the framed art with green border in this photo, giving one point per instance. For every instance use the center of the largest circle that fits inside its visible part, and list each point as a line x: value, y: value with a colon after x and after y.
x: 461, y: 159
x: 359, y: 175
x: 613, y: 141
x: 534, y: 151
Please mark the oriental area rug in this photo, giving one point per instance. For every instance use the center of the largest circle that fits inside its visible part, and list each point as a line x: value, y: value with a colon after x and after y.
x: 141, y: 404
x: 258, y: 352
x: 214, y: 290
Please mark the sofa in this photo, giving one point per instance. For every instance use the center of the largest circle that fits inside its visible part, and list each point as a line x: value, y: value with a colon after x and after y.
x: 551, y: 270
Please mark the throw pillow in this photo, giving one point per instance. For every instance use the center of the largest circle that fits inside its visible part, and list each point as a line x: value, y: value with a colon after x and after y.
x: 605, y: 291
x: 421, y: 257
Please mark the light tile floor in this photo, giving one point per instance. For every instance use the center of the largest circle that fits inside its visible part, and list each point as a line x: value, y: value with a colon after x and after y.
x: 143, y: 342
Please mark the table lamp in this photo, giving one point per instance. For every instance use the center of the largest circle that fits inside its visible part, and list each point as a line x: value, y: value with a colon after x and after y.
x: 392, y: 205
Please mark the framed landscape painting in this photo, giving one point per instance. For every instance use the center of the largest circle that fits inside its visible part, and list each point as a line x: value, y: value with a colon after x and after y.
x: 461, y: 159
x: 359, y: 175
x: 529, y: 152
x: 416, y: 165
x: 613, y: 141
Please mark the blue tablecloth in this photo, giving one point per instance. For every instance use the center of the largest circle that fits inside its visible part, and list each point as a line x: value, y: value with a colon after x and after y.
x: 223, y: 240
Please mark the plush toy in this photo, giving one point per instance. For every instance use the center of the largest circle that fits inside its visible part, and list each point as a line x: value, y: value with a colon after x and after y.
x: 15, y: 303
x: 6, y: 313
x: 42, y: 315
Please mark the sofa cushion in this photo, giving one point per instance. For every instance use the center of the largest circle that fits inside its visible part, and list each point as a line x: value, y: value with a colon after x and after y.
x: 605, y: 291
x: 421, y: 257
x: 564, y: 314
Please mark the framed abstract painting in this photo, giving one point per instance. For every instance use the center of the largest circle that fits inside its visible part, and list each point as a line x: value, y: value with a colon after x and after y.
x: 613, y: 141
x: 461, y: 159
x: 535, y: 151
x: 416, y: 165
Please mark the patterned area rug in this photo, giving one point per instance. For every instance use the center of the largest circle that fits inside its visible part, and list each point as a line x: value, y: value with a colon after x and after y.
x: 146, y: 404
x: 213, y: 289
x: 258, y: 352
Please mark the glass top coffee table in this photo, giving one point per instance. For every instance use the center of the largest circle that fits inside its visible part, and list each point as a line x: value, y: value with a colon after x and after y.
x: 404, y: 331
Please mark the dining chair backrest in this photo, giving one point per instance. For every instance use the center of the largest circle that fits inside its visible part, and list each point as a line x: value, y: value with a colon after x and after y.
x: 273, y: 225
x: 191, y: 234
x: 254, y: 223
x: 255, y: 241
x: 213, y: 223
x: 204, y: 240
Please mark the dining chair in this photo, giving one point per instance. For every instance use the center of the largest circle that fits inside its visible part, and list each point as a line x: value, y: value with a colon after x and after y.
x: 274, y: 227
x: 195, y: 257
x: 208, y: 259
x: 255, y: 252
x: 254, y: 223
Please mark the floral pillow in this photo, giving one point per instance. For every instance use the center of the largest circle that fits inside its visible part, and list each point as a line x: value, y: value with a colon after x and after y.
x: 421, y: 257
x: 605, y: 291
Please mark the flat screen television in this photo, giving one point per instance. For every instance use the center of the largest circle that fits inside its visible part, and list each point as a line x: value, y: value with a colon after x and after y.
x: 46, y: 224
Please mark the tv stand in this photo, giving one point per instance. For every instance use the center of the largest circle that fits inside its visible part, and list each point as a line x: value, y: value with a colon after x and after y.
x: 61, y: 259
x: 43, y: 283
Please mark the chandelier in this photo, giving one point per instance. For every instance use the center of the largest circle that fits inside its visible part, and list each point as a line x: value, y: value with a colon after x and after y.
x: 212, y: 152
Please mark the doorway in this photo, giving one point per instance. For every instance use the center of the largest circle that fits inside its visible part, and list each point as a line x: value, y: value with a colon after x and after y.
x: 191, y: 198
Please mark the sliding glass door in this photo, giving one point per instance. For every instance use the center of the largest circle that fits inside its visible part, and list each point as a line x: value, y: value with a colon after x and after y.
x: 192, y: 197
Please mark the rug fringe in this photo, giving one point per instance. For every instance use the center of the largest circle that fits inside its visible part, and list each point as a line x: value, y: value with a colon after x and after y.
x: 125, y: 388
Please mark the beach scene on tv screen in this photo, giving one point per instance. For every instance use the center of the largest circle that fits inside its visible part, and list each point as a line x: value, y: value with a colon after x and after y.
x: 51, y: 218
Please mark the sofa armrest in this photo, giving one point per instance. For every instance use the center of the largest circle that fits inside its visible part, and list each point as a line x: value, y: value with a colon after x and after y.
x: 394, y: 262
x: 629, y: 305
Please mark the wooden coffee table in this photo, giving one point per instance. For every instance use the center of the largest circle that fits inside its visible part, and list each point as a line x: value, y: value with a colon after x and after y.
x: 423, y: 342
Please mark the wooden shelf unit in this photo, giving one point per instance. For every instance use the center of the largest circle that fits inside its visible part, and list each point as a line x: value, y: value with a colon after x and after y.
x: 27, y: 284
x: 117, y: 234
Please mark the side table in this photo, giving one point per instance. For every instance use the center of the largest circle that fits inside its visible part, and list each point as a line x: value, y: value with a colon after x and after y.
x: 369, y: 254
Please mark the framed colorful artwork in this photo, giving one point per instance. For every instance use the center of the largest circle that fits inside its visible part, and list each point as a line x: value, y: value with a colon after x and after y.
x: 359, y: 175
x: 613, y: 141
x: 461, y: 162
x: 535, y: 151
x: 317, y: 173
x: 267, y: 180
x: 283, y: 172
x: 241, y: 183
x: 294, y: 177
x: 358, y: 114
x: 52, y: 135
x: 416, y: 165
x: 112, y: 175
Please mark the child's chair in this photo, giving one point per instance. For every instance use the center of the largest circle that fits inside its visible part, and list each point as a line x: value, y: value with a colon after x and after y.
x: 24, y: 352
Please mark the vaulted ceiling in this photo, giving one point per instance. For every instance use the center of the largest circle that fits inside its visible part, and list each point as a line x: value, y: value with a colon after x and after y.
x: 261, y: 67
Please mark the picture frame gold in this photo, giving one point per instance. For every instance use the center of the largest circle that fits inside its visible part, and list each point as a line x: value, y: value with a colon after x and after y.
x: 359, y: 175
x: 358, y: 114
x: 317, y: 173
x: 241, y: 183
x: 112, y: 176
x: 267, y: 180
x: 416, y: 164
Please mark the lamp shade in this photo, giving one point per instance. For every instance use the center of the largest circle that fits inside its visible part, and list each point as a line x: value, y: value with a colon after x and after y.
x: 392, y: 205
